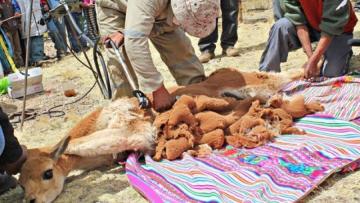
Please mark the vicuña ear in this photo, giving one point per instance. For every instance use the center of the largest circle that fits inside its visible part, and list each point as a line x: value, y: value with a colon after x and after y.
x: 59, y: 148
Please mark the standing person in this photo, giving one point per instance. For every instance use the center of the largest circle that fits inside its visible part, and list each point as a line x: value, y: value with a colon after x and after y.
x: 229, y: 36
x: 10, y: 8
x: 330, y: 22
x: 163, y: 22
x: 56, y: 29
x: 37, y: 42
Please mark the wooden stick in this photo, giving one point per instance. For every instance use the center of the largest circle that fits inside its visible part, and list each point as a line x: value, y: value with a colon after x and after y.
x: 26, y: 60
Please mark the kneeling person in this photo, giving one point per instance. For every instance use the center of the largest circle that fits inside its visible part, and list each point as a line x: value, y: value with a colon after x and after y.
x: 331, y: 22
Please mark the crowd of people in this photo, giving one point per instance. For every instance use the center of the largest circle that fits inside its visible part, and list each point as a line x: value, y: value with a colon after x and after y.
x: 13, y: 31
x: 164, y: 22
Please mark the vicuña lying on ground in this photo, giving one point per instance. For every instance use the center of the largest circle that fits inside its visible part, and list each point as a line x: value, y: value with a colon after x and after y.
x: 123, y: 126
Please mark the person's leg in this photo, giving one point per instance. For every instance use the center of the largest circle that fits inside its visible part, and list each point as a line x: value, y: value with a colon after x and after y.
x: 207, y: 44
x: 278, y: 13
x: 337, y: 56
x: 178, y: 54
x: 110, y: 20
x: 36, y: 49
x: 60, y: 25
x: 78, y: 18
x: 72, y: 39
x: 73, y: 36
x: 56, y: 38
x: 229, y: 36
x: 15, y: 41
x: 282, y: 39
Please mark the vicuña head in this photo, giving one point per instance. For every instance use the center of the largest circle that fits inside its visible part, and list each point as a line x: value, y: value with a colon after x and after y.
x: 43, y: 174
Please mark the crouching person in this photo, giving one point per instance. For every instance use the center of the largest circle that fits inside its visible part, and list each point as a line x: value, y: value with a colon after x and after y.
x: 163, y: 22
x: 12, y: 154
x: 330, y: 22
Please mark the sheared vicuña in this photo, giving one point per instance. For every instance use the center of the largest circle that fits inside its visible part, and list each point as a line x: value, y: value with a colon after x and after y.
x: 123, y: 126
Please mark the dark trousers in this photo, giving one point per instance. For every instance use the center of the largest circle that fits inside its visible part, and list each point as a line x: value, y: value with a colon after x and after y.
x: 230, y: 11
x: 283, y: 39
x: 278, y: 13
x: 74, y: 43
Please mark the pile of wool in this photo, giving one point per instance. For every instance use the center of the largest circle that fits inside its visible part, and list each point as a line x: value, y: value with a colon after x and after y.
x: 198, y: 123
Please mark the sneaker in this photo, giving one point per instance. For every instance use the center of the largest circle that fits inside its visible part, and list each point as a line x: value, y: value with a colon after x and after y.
x: 7, y: 182
x: 206, y: 56
x: 231, y: 52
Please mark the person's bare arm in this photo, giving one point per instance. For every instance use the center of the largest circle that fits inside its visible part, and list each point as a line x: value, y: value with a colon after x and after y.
x: 304, y: 37
x: 311, y: 66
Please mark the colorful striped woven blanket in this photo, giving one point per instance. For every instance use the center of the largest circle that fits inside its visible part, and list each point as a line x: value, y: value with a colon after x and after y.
x: 341, y: 95
x: 285, y: 170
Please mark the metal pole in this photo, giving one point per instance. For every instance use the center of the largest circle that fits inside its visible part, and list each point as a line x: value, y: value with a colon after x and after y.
x: 28, y: 40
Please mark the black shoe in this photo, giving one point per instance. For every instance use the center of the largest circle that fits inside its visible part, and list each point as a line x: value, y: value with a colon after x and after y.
x: 7, y: 183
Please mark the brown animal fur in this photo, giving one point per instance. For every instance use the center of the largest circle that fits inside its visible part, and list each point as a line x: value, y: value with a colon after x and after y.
x: 90, y: 144
x: 250, y: 129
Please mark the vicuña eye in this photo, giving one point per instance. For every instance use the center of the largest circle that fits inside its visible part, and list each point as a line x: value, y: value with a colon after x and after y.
x: 47, y: 175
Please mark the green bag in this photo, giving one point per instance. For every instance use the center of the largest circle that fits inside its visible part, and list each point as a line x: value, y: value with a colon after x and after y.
x: 4, y: 84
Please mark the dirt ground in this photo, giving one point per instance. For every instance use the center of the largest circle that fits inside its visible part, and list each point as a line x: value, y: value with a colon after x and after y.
x: 110, y: 184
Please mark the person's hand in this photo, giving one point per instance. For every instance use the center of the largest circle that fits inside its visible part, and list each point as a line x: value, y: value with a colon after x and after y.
x: 162, y: 100
x: 116, y: 37
x: 311, y: 68
x: 17, y: 14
